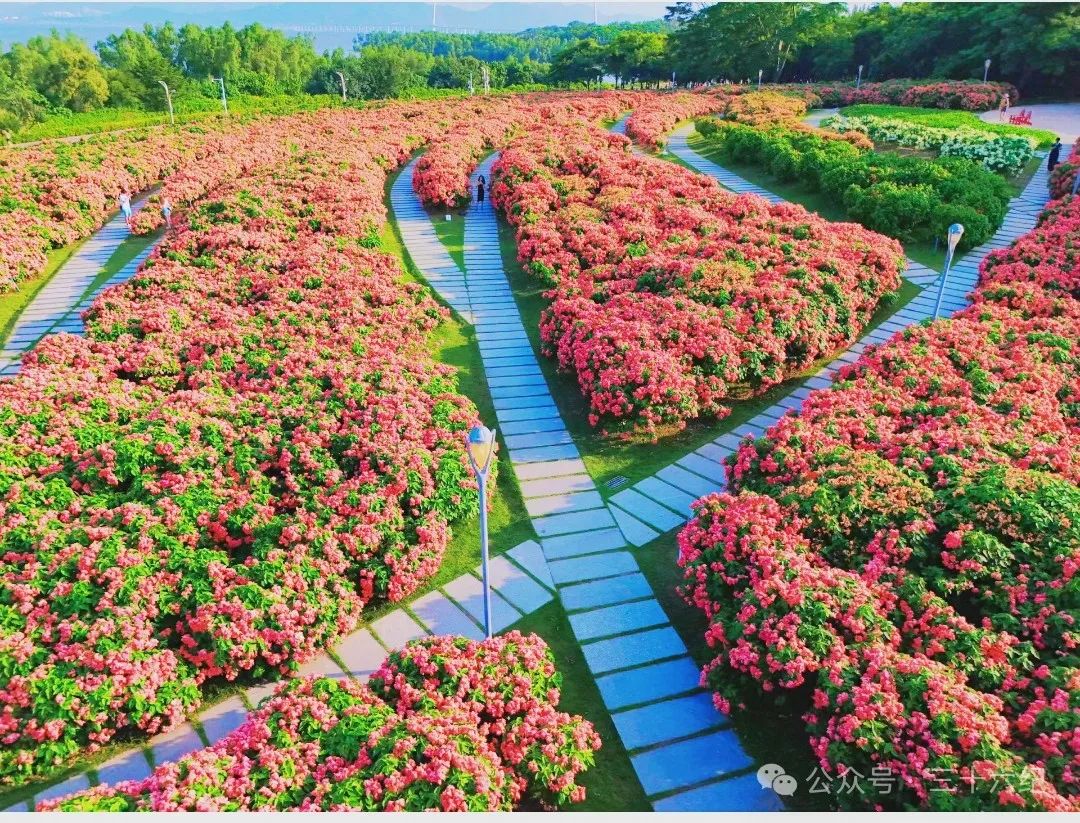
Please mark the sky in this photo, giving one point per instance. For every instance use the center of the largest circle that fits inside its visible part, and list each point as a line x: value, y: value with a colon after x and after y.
x: 332, y: 24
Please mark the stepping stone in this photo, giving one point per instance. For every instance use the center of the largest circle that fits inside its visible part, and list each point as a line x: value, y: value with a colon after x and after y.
x: 620, y: 619
x: 534, y: 439
x: 22, y: 806
x: 75, y: 783
x: 570, y: 522
x: 688, y: 482
x: 635, y: 532
x: 440, y: 616
x: 676, y: 500
x: 550, y: 468
x: 633, y: 649
x: 219, y: 720
x: 563, y: 503
x: 468, y: 592
x: 591, y: 567
x: 171, y: 746
x: 258, y: 693
x: 538, y: 413
x: 130, y: 765
x: 669, y: 720
x: 648, y: 683
x: 706, y: 468
x: 647, y: 510
x: 361, y: 654
x: 735, y: 794
x: 525, y: 426
x: 397, y: 629
x: 580, y: 543
x: 322, y: 665
x: 505, y: 404
x: 523, y: 593
x: 555, y: 485
x: 690, y: 761
x: 530, y: 557
x: 544, y: 454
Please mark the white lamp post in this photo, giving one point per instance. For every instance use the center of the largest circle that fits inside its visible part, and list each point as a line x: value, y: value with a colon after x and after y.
x: 341, y: 77
x: 956, y: 231
x: 759, y: 73
x: 224, y: 102
x: 480, y: 446
x: 858, y: 80
x: 168, y: 100
x: 986, y: 69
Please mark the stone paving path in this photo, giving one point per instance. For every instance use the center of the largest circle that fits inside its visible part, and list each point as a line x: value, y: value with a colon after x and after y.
x: 681, y: 747
x: 661, y: 502
x: 61, y: 301
x: 456, y: 608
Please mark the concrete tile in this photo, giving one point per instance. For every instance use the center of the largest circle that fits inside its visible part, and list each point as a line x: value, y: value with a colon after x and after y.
x: 648, y: 683
x: 591, y: 567
x: 632, y: 650
x: 668, y: 720
x: 618, y: 619
x: 396, y: 629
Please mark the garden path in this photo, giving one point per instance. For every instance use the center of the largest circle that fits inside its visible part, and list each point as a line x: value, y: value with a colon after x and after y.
x: 683, y: 750
x: 1061, y: 118
x: 662, y: 502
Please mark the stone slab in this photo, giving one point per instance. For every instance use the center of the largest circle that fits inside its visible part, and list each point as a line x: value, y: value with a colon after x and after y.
x: 620, y: 619
x: 667, y: 720
x: 533, y: 439
x: 396, y: 629
x: 734, y: 794
x: 699, y: 465
x: 563, y: 503
x: 533, y: 425
x: 524, y: 593
x: 676, y: 500
x: 591, y: 567
x: 633, y: 649
x: 571, y: 522
x: 635, y: 532
x: 219, y: 720
x: 130, y: 765
x: 439, y: 615
x: 468, y: 592
x: 545, y: 454
x: 550, y: 468
x: 689, y: 762
x: 648, y: 683
x: 548, y: 411
x: 530, y: 557
x: 171, y: 746
x: 688, y: 482
x: 579, y: 543
x: 322, y: 665
x: 649, y: 511
x: 75, y: 783
x: 361, y: 654
x: 555, y: 485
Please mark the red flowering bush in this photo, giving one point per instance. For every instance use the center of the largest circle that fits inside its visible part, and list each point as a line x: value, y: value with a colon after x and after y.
x: 436, y: 730
x: 765, y: 108
x: 1064, y: 174
x: 903, y: 555
x: 250, y: 445
x: 654, y: 115
x: 669, y: 295
x: 969, y: 95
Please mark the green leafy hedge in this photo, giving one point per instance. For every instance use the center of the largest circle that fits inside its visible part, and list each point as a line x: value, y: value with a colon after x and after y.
x: 909, y: 198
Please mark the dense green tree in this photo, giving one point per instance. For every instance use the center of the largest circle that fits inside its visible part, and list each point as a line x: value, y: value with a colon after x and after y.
x: 63, y: 70
x: 637, y: 56
x: 580, y: 62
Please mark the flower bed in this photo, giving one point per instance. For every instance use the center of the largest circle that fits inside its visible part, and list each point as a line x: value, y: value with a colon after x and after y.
x: 938, y: 118
x: 765, y: 108
x: 668, y: 295
x: 900, y: 559
x: 447, y: 724
x: 654, y: 115
x: 250, y: 445
x: 1000, y: 153
x: 1064, y: 174
x: 909, y: 198
x: 967, y: 95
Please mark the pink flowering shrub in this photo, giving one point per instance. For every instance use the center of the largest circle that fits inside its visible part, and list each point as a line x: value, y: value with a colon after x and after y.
x: 654, y: 115
x: 902, y: 555
x: 670, y: 295
x: 1064, y: 174
x: 250, y: 445
x: 969, y: 95
x: 447, y: 724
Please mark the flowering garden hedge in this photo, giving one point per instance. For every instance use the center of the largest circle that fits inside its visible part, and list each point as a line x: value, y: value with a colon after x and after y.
x: 668, y: 295
x: 446, y: 724
x: 251, y: 444
x: 951, y: 94
x: 1064, y: 175
x: 900, y: 559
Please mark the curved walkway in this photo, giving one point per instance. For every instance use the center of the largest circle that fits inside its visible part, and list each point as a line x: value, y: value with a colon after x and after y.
x: 662, y: 502
x: 1061, y: 118
x: 682, y: 749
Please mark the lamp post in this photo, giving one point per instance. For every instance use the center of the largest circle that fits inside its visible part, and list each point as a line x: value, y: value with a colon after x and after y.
x: 341, y: 77
x: 224, y: 102
x: 986, y: 69
x: 759, y: 73
x: 956, y: 231
x: 858, y: 80
x: 168, y: 101
x: 480, y: 446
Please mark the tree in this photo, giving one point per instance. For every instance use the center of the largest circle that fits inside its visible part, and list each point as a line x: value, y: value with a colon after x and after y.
x: 637, y: 56
x: 390, y: 71
x: 581, y: 62
x: 137, y: 67
x: 63, y: 70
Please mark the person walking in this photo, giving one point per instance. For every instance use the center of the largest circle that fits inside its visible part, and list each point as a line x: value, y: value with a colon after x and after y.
x: 480, y: 185
x: 166, y: 211
x: 125, y: 206
x: 1054, y: 157
x: 1003, y: 108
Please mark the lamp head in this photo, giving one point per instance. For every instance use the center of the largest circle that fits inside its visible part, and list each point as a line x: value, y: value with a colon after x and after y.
x: 480, y: 446
x: 987, y: 63
x: 956, y: 231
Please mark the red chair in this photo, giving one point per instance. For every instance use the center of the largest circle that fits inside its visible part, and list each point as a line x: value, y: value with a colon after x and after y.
x: 1021, y: 119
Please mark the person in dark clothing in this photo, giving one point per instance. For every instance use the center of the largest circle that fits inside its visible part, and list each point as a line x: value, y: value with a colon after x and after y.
x: 1055, y: 155
x: 480, y: 185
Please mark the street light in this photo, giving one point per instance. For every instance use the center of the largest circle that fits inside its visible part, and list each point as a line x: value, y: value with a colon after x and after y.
x: 480, y: 446
x: 986, y: 69
x: 341, y: 77
x: 759, y: 73
x: 224, y: 102
x: 858, y: 80
x: 168, y: 100
x: 956, y: 231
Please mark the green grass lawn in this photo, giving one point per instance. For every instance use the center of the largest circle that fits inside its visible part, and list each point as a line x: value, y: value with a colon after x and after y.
x: 451, y: 232
x: 608, y: 456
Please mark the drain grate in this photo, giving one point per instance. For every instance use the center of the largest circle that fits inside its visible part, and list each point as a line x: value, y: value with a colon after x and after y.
x: 617, y: 482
